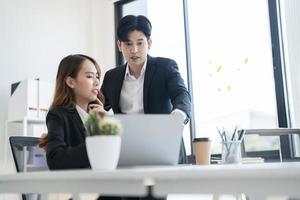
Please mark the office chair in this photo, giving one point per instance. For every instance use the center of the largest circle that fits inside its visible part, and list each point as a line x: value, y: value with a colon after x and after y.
x: 28, y: 157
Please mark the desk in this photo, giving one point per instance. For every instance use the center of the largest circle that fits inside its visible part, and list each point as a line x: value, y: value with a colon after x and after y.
x: 118, y: 182
x: 256, y: 180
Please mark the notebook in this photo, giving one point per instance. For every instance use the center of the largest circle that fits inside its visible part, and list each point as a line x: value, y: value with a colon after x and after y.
x: 150, y: 139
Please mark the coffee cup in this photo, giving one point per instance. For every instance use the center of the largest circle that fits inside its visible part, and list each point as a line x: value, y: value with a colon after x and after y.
x: 202, y: 150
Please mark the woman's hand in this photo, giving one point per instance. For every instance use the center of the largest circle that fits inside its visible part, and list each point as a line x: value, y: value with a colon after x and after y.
x: 97, y: 106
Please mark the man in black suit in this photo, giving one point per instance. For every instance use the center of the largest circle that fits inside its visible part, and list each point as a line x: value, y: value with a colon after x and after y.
x: 144, y: 84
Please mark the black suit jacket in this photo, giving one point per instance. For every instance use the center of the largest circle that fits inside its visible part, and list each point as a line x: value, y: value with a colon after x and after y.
x: 66, y: 140
x: 164, y: 89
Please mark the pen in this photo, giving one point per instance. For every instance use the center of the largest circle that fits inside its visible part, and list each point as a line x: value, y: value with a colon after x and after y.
x: 242, y: 134
x: 233, y: 135
x: 221, y: 134
x: 223, y: 137
x: 224, y: 134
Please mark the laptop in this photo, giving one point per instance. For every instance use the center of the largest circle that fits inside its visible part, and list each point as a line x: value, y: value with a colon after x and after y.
x: 150, y: 139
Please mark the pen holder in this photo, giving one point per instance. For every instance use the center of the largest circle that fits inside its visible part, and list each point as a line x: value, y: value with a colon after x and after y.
x: 231, y: 152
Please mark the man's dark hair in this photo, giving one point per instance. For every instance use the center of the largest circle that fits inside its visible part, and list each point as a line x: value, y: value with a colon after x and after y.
x: 131, y: 23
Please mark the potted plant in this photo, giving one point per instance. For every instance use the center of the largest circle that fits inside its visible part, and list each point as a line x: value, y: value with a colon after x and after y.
x: 103, y: 141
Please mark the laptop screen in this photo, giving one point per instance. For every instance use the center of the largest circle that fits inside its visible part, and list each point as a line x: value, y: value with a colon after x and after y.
x: 150, y: 139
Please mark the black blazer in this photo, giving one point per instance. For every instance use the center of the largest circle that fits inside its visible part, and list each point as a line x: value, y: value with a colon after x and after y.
x: 66, y: 140
x: 164, y: 90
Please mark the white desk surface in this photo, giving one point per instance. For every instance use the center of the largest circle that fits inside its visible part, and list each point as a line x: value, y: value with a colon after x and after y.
x: 254, y: 179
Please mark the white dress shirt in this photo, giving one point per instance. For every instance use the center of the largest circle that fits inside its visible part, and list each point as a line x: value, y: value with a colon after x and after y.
x: 82, y: 114
x: 131, y: 98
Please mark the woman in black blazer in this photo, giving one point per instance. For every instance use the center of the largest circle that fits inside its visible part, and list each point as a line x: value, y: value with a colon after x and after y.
x: 77, y: 85
x: 77, y: 92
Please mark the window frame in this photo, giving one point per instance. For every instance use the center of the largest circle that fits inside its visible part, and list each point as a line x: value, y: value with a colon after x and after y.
x: 283, y: 112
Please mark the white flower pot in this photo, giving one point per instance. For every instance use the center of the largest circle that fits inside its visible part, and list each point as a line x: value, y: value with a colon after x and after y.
x: 103, y: 151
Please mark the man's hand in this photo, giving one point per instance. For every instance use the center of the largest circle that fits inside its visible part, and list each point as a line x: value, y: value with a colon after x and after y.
x: 179, y: 113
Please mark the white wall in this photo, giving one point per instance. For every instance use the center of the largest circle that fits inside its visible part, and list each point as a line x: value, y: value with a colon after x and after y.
x: 103, y: 33
x: 35, y: 35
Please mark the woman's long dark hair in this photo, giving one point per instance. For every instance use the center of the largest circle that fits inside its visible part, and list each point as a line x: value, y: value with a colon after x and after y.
x: 70, y: 66
x: 64, y: 95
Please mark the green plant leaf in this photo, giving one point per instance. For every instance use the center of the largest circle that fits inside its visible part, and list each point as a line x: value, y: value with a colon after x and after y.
x: 95, y: 125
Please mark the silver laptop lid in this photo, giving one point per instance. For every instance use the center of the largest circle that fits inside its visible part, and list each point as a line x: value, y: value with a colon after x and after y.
x: 150, y: 139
